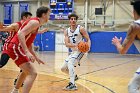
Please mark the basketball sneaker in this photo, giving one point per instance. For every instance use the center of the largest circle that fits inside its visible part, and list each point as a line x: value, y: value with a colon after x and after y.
x: 70, y: 86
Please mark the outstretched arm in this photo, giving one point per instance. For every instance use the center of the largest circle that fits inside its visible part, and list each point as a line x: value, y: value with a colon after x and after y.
x: 43, y: 30
x: 29, y: 28
x: 12, y: 27
x: 34, y: 54
x: 131, y: 34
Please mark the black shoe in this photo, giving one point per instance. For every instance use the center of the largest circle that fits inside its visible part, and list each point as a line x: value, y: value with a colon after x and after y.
x: 76, y: 78
x: 16, y: 82
x: 70, y: 86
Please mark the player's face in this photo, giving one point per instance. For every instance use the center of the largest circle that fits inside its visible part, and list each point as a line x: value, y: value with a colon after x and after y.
x: 73, y: 21
x: 26, y: 18
x: 46, y: 16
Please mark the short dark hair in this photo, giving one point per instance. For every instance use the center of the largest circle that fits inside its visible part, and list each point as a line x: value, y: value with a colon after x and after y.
x: 26, y: 14
x: 73, y: 15
x: 136, y: 5
x: 42, y: 10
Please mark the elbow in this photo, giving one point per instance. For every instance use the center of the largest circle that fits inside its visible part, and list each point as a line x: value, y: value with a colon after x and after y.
x: 19, y: 34
x: 67, y: 45
x: 122, y: 52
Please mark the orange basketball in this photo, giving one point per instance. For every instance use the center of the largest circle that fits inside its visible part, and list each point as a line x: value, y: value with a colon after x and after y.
x: 83, y: 46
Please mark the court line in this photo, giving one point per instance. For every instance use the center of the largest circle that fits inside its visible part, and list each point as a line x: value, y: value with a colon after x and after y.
x: 99, y: 85
x: 110, y: 67
x: 102, y: 69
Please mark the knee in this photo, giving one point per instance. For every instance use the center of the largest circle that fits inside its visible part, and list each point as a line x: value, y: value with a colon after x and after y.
x: 34, y: 74
x: 70, y: 65
x: 63, y: 69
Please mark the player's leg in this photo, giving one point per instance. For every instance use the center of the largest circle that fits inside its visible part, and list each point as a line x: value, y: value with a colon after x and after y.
x: 71, y: 85
x: 134, y: 84
x: 4, y: 59
x: 20, y: 74
x: 19, y: 82
x: 71, y: 64
x: 73, y: 59
x: 64, y: 68
x: 30, y: 75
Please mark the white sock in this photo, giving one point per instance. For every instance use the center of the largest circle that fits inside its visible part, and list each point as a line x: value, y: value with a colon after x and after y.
x: 14, y: 90
x: 71, y: 73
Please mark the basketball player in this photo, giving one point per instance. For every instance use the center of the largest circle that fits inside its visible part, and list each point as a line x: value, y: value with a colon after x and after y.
x: 12, y: 29
x: 133, y: 35
x: 20, y: 49
x: 73, y: 35
x: 39, y: 32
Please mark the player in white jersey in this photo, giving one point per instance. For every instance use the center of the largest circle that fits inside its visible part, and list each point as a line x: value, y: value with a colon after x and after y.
x: 133, y: 35
x: 73, y: 35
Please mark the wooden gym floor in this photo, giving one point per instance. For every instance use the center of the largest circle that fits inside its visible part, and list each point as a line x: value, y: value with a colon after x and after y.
x: 98, y: 73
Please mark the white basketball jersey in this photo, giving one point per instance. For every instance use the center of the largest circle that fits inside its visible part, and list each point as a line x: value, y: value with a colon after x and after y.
x: 75, y: 37
x: 137, y: 21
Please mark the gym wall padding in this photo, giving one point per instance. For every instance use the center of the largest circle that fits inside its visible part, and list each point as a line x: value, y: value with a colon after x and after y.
x: 101, y: 42
x: 45, y: 41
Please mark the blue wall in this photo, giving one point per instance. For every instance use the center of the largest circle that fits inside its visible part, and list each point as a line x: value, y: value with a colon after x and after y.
x: 46, y: 41
x: 101, y: 42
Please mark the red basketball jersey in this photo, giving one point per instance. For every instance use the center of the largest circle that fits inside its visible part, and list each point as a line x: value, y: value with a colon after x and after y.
x: 29, y: 38
x: 9, y: 38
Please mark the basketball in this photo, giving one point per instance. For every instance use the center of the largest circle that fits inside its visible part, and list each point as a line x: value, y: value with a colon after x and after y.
x: 83, y: 46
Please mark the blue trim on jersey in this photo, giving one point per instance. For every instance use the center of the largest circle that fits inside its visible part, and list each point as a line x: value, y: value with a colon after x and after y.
x: 137, y: 72
x: 66, y: 61
x: 73, y: 57
x: 79, y: 54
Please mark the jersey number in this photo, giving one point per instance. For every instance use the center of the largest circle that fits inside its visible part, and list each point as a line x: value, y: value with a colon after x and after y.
x: 73, y: 39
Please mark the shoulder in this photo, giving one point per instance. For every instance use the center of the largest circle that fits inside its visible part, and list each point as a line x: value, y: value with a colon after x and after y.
x: 133, y: 30
x: 34, y: 21
x: 134, y: 27
x: 66, y: 32
x: 82, y: 29
x: 14, y: 25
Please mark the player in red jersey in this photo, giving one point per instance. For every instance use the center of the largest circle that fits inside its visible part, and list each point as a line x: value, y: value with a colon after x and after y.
x: 12, y: 29
x: 20, y: 49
